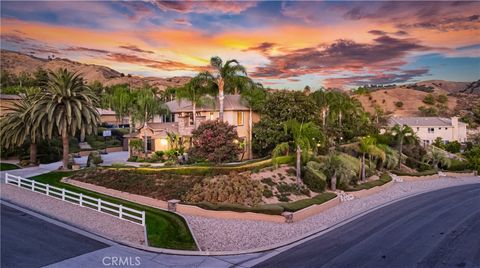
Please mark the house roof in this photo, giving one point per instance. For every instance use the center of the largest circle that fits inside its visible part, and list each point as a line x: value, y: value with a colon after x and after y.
x: 230, y: 103
x: 423, y: 121
x: 157, y: 130
x: 105, y: 111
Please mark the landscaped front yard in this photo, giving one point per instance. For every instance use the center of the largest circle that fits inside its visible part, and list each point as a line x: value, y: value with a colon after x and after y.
x: 164, y: 229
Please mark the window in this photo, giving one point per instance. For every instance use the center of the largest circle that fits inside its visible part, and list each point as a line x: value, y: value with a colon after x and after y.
x: 149, y: 144
x: 418, y: 128
x: 439, y: 128
x: 240, y: 118
x: 431, y: 130
x: 446, y: 128
x: 211, y: 116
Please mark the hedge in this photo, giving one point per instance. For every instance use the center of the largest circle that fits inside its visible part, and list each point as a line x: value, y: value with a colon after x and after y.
x: 301, y: 204
x: 314, y: 179
x: 415, y: 164
x: 270, y: 209
x: 216, y: 170
x: 416, y: 174
x: 384, y: 178
x: 457, y: 165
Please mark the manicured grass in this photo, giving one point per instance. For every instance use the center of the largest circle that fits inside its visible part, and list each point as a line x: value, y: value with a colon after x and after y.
x: 368, y: 185
x: 164, y: 229
x: 7, y: 166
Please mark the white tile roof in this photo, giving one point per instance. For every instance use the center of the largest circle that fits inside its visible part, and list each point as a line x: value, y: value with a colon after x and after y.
x: 422, y: 121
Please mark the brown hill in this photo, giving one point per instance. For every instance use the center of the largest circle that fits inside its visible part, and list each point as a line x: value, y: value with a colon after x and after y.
x: 411, y: 100
x: 15, y: 62
x: 443, y: 86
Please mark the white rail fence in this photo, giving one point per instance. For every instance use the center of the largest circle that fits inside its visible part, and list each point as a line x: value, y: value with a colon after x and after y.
x: 119, y: 211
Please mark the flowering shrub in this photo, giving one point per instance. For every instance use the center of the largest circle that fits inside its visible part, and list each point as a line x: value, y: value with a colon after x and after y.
x: 215, y: 141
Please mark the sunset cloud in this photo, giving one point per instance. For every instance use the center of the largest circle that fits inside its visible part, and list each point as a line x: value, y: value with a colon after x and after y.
x: 188, y: 6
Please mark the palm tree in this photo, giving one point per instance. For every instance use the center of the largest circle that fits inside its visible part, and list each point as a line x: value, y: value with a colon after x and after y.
x: 147, y: 105
x: 402, y: 134
x: 305, y: 136
x: 17, y: 127
x: 68, y: 105
x: 367, y: 145
x: 335, y: 169
x: 321, y: 99
x: 194, y: 91
x: 436, y: 156
x: 227, y: 77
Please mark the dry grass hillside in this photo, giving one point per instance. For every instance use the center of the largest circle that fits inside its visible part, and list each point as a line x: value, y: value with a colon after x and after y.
x: 411, y: 99
x: 444, y: 86
x: 17, y: 63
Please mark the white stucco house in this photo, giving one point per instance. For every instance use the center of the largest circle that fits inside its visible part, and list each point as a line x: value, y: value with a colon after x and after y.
x: 429, y: 128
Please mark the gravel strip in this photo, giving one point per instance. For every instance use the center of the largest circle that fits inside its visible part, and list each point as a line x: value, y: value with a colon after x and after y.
x: 84, y: 218
x: 228, y: 235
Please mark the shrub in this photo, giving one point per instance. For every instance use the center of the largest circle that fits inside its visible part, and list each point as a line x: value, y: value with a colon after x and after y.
x: 271, y: 209
x: 399, y: 104
x: 292, y: 171
x: 268, y: 181
x: 132, y: 158
x: 267, y: 193
x: 301, y: 204
x: 314, y: 179
x: 215, y: 141
x: 417, y: 174
x: 384, y: 178
x: 429, y: 99
x: 442, y: 98
x: 415, y: 164
x: 94, y: 158
x: 457, y: 165
x: 453, y: 147
x: 291, y: 188
x: 233, y: 188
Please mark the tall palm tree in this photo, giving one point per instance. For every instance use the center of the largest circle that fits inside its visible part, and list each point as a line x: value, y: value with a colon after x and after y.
x: 321, y: 99
x: 227, y: 78
x: 17, y: 127
x: 367, y: 145
x: 305, y: 136
x: 402, y: 134
x: 147, y: 105
x: 68, y: 105
x: 194, y: 91
x: 335, y: 169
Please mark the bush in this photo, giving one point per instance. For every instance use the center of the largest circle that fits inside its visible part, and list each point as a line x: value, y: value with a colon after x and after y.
x: 429, y: 99
x: 415, y: 164
x: 267, y: 193
x: 94, y: 158
x: 399, y: 104
x: 301, y: 204
x: 453, y: 147
x: 215, y: 141
x: 457, y: 165
x: 315, y: 180
x: 384, y: 178
x: 233, y: 188
x: 132, y: 158
x: 417, y: 174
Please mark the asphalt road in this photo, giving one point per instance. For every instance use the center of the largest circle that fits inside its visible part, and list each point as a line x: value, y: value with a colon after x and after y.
x: 27, y: 241
x: 436, y: 229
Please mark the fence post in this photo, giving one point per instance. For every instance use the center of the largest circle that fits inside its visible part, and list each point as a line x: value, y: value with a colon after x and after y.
x: 81, y: 200
x: 48, y: 189
x: 120, y: 214
x: 99, y: 204
x: 63, y: 194
x: 143, y: 218
x: 33, y: 185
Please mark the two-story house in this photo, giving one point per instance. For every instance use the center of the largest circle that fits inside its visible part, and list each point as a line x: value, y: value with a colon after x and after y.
x: 236, y: 113
x: 429, y: 128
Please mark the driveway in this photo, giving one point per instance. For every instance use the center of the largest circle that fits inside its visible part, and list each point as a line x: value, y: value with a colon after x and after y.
x: 28, y: 241
x: 436, y: 229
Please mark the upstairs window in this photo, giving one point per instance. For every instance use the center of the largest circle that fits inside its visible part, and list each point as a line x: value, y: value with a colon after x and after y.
x: 431, y: 130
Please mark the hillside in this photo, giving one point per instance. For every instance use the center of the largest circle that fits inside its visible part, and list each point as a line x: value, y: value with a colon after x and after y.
x: 443, y: 86
x: 17, y: 63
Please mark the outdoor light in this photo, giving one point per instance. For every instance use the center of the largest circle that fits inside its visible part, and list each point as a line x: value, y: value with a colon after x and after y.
x: 163, y: 142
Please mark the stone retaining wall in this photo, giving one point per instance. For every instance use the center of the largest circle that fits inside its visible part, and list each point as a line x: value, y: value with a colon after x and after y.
x: 109, y: 150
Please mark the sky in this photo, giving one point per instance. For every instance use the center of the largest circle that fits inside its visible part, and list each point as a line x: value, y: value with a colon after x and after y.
x: 342, y: 44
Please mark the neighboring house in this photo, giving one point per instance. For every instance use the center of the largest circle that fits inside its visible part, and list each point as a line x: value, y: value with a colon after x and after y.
x: 109, y: 117
x: 6, y: 103
x: 236, y: 113
x: 429, y: 128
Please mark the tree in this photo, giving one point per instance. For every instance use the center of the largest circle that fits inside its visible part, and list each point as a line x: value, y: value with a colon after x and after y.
x: 336, y: 170
x: 436, y: 156
x: 69, y: 106
x: 321, y: 100
x: 17, y: 127
x: 368, y: 145
x: 305, y: 137
x: 227, y: 77
x: 215, y: 141
x: 402, y: 134
x: 453, y: 147
x: 122, y: 101
x: 194, y: 91
x: 429, y: 99
x: 146, y: 106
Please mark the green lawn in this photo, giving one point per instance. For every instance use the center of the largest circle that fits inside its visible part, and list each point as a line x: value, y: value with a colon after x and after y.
x: 164, y: 229
x: 7, y: 166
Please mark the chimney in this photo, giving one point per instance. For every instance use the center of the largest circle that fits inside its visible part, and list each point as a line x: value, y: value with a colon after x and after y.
x: 454, y: 121
x: 454, y: 128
